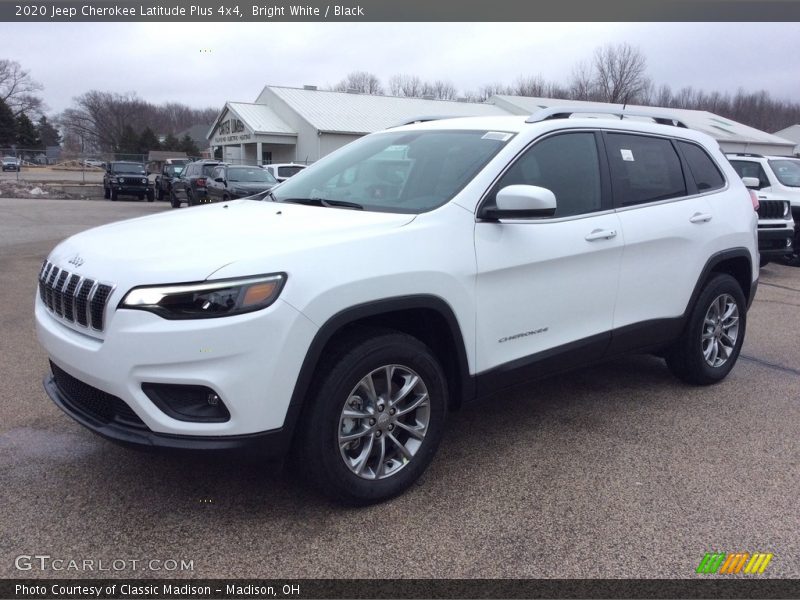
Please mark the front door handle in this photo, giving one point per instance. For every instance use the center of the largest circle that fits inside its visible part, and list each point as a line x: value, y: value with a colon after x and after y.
x: 700, y: 218
x: 600, y: 234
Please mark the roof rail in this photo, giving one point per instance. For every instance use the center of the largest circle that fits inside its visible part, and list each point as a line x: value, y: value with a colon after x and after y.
x: 565, y: 112
x: 749, y: 154
x: 413, y: 120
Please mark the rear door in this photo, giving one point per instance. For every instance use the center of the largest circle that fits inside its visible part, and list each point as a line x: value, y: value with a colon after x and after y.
x: 669, y: 227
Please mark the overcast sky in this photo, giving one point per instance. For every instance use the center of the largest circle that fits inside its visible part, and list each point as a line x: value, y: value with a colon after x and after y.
x: 163, y: 62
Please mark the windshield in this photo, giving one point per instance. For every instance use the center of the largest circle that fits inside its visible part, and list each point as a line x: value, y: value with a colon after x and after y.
x: 289, y: 171
x: 250, y: 175
x: 174, y: 169
x: 123, y: 168
x: 207, y: 169
x: 402, y: 171
x: 787, y: 171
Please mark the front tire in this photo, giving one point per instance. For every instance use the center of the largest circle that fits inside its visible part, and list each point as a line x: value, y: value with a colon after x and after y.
x: 150, y: 196
x: 114, y: 195
x: 173, y: 199
x: 160, y: 194
x: 375, y: 417
x: 106, y: 193
x: 712, y: 339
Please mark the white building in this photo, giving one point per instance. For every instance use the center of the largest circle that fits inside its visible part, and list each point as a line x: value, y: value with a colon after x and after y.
x: 304, y: 124
x: 791, y: 133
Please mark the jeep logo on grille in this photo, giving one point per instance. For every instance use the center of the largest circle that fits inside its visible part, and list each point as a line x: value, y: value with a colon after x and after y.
x: 76, y: 260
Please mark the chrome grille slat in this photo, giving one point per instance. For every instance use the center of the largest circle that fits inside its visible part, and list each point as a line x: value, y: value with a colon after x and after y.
x: 73, y: 298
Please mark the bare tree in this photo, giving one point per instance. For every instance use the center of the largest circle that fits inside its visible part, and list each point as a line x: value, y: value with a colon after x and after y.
x: 582, y: 82
x: 18, y: 90
x: 406, y: 86
x: 439, y: 89
x: 360, y: 81
x: 532, y: 86
x: 100, y: 119
x: 619, y: 73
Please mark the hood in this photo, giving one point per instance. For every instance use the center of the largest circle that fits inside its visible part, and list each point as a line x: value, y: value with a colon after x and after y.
x: 191, y: 244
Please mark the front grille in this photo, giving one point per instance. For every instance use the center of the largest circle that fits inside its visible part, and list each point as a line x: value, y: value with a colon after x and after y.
x: 74, y: 298
x: 770, y: 209
x: 95, y: 403
x: 132, y: 181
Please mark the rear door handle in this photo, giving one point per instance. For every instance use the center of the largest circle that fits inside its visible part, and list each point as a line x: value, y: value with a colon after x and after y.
x: 700, y: 218
x: 600, y: 234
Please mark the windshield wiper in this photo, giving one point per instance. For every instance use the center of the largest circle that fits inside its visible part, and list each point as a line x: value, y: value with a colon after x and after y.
x: 324, y: 202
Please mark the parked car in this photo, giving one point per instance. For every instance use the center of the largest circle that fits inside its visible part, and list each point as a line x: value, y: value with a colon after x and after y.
x: 776, y: 228
x: 10, y: 163
x: 190, y: 185
x: 94, y: 162
x: 282, y: 171
x: 344, y: 318
x: 778, y: 178
x: 228, y: 182
x: 163, y: 181
x: 127, y: 178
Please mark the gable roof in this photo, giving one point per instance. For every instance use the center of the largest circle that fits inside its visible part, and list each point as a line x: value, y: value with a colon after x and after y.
x: 258, y: 117
x: 342, y: 112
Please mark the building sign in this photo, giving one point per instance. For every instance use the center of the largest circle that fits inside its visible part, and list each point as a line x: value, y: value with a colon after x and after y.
x: 231, y: 131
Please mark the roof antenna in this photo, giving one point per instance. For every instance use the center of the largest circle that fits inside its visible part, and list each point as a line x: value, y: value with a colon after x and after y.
x: 624, y: 104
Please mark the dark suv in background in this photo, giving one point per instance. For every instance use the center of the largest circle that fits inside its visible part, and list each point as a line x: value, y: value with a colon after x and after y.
x: 169, y: 173
x: 228, y: 182
x: 191, y: 184
x: 127, y: 178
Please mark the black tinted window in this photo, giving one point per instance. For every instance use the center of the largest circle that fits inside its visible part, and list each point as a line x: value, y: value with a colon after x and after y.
x: 643, y: 169
x: 565, y: 164
x: 749, y: 168
x: 705, y: 172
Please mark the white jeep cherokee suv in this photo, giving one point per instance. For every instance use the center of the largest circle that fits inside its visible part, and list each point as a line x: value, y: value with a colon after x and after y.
x: 411, y: 271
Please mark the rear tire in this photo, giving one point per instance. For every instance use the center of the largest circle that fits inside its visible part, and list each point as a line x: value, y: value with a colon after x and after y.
x: 712, y: 338
x: 363, y: 441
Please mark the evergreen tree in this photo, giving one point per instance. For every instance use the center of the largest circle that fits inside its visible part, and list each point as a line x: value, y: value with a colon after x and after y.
x: 27, y: 136
x: 170, y: 142
x: 128, y: 142
x: 148, y: 141
x: 187, y: 145
x: 47, y: 133
x: 8, y: 126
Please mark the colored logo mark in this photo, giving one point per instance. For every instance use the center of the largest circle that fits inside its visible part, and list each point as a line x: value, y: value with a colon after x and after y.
x: 729, y: 564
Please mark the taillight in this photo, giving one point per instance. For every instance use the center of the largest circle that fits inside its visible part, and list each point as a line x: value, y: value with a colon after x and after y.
x: 754, y: 199
x: 201, y: 182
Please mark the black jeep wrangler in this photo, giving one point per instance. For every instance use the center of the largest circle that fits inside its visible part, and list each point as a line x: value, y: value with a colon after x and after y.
x: 126, y: 178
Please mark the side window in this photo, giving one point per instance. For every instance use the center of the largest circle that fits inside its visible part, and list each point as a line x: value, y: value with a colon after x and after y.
x: 749, y: 168
x: 567, y: 164
x: 217, y: 173
x: 190, y: 170
x: 643, y: 169
x: 705, y: 172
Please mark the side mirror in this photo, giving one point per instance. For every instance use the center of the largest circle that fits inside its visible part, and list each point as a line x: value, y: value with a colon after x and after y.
x: 751, y: 182
x: 522, y: 202
x: 219, y: 180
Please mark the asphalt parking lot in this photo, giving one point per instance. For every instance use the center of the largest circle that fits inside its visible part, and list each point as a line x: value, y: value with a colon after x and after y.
x: 615, y: 471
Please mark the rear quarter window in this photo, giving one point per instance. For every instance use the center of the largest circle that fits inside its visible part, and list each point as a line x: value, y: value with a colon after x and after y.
x: 702, y: 167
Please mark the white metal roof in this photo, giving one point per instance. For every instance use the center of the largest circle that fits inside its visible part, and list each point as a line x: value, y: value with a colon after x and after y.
x: 258, y: 117
x: 721, y: 129
x: 341, y: 112
x: 791, y: 133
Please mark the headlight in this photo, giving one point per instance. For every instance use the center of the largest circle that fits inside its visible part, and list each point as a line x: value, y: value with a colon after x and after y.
x: 786, y: 210
x: 207, y: 299
x: 144, y: 180
x: 120, y: 180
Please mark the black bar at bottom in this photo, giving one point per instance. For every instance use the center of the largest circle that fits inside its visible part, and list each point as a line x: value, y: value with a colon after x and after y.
x: 704, y: 586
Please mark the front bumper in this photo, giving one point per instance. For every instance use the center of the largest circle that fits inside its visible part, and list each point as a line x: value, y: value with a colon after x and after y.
x: 775, y: 242
x: 251, y: 361
x: 133, y: 432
